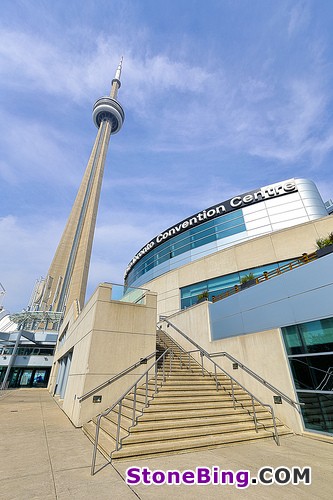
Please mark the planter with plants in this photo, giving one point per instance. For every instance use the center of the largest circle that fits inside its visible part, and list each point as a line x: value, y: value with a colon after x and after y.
x: 247, y: 280
x: 324, y: 245
x: 202, y: 297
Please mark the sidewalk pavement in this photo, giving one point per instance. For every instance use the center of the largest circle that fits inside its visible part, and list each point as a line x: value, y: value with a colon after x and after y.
x: 42, y: 456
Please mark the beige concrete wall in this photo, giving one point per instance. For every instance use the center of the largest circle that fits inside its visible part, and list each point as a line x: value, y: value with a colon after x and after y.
x: 273, y: 247
x: 262, y: 352
x: 106, y: 338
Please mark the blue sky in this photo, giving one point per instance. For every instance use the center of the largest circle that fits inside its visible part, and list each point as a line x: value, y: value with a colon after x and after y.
x: 220, y: 97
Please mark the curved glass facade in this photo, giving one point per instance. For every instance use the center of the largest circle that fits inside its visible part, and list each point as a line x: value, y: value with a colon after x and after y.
x: 208, y: 232
x: 267, y: 209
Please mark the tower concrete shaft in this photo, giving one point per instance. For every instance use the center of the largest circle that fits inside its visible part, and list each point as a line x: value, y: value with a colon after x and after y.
x: 68, y: 274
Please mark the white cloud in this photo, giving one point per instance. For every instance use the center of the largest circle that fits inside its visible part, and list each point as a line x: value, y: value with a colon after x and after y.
x: 60, y: 70
x: 299, y: 18
x: 36, y: 150
x: 193, y: 107
x: 27, y: 247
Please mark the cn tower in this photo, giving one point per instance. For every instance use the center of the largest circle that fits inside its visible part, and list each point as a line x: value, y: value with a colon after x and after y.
x: 67, y: 277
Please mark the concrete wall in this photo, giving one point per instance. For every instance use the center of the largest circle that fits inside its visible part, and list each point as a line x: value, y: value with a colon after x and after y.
x: 274, y: 247
x: 107, y: 337
x: 263, y: 352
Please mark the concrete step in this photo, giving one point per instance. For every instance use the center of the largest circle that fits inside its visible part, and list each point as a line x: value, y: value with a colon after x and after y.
x: 171, y: 446
x: 191, y: 382
x: 210, y: 423
x: 150, y: 436
x: 187, y: 375
x: 199, y: 389
x: 194, y: 389
x: 197, y: 399
x: 157, y: 404
x: 106, y: 444
x: 180, y: 414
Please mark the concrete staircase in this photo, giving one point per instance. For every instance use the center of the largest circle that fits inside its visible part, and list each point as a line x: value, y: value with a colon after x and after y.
x: 186, y: 414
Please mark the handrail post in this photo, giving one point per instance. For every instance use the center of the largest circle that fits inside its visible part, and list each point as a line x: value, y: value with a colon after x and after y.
x: 254, y: 414
x: 118, y: 426
x: 202, y: 364
x: 146, y: 402
x: 163, y: 368
x: 181, y: 362
x: 95, y: 445
x: 233, y: 393
x: 134, y: 405
x: 155, y: 378
x: 277, y: 437
x: 189, y: 361
x: 215, y: 375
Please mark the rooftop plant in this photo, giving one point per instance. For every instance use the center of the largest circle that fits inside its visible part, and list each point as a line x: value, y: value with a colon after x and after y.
x: 203, y: 296
x: 326, y: 241
x: 247, y: 277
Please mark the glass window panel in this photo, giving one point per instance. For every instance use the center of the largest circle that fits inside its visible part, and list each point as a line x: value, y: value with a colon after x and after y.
x: 228, y: 224
x: 223, y: 282
x: 231, y: 231
x: 198, y: 242
x: 202, y: 227
x: 181, y: 246
x: 318, y: 335
x: 292, y: 339
x: 313, y: 372
x: 39, y: 379
x: 186, y: 303
x: 232, y: 215
x: 317, y: 411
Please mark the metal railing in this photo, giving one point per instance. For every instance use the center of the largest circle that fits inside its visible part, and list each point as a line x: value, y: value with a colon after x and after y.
x: 142, y: 361
x: 187, y: 354
x: 156, y: 369
x: 204, y: 354
x: 300, y: 261
x: 268, y: 385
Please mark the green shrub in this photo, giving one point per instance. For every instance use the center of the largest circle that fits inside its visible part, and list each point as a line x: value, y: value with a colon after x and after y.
x: 203, y: 296
x: 324, y: 242
x: 247, y: 277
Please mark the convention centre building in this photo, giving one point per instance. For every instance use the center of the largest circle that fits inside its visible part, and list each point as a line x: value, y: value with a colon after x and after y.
x: 196, y: 277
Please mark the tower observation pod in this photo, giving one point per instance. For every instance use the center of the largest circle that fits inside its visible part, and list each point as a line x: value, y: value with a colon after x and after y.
x: 67, y: 277
x: 108, y: 108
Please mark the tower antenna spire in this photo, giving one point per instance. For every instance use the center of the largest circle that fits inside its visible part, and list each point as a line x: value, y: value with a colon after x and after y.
x: 116, y: 83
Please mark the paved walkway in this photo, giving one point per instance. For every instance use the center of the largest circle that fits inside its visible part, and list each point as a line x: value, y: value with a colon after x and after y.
x: 42, y: 456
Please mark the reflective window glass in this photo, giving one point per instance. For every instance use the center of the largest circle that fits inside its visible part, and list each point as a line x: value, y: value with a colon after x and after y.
x: 195, y: 237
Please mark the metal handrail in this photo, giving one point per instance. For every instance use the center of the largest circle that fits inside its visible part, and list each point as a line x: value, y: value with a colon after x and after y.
x: 260, y: 379
x: 234, y: 381
x: 182, y: 350
x: 120, y: 400
x: 204, y: 353
x: 116, y: 377
x: 248, y: 370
